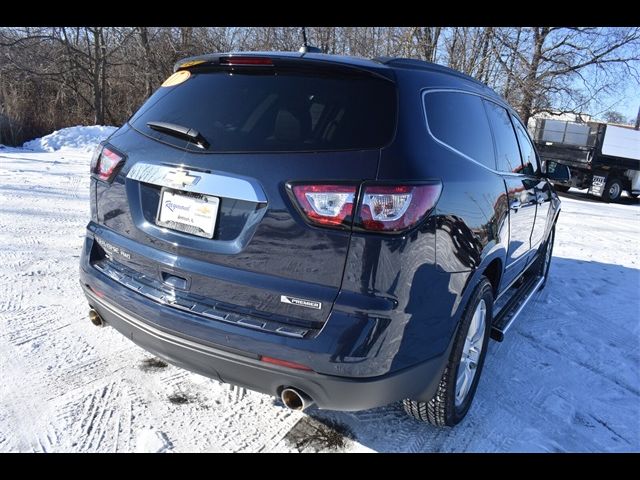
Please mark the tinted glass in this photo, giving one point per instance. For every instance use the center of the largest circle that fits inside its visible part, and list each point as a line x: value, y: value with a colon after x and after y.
x: 507, y: 152
x: 576, y: 134
x: 553, y: 131
x: 528, y: 154
x: 284, y: 112
x: 459, y: 120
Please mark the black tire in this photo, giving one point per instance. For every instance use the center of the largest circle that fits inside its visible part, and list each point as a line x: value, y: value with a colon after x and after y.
x: 612, y: 190
x: 441, y: 410
x: 544, y: 261
x: 561, y: 188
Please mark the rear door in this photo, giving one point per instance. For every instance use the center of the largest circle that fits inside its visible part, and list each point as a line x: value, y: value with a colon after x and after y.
x: 251, y: 251
x: 539, y: 185
x: 520, y: 192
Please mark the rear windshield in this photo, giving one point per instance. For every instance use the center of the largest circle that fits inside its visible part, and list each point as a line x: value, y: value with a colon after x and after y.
x: 249, y: 112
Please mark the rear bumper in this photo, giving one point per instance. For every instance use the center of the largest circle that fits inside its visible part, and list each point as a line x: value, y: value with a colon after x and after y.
x: 245, y: 369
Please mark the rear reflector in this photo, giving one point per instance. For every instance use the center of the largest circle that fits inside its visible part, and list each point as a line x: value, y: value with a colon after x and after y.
x: 98, y: 293
x: 106, y: 163
x: 393, y: 208
x: 326, y: 205
x: 246, y: 61
x: 285, y: 363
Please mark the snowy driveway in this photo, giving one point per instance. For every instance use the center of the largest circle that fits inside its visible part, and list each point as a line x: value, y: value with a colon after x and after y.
x: 567, y: 377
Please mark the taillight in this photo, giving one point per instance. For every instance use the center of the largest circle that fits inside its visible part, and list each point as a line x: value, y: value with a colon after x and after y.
x: 381, y: 208
x: 106, y: 162
x: 393, y: 208
x: 326, y: 205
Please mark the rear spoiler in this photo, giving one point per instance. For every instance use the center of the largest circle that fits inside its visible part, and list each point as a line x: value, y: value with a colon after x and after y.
x: 233, y: 61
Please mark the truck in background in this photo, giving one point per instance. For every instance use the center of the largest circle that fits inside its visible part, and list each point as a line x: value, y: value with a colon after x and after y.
x: 602, y: 157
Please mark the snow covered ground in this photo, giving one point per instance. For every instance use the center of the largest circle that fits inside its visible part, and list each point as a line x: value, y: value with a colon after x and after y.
x: 567, y: 377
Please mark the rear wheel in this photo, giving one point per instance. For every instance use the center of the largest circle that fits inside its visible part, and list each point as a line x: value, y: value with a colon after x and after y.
x: 460, y: 378
x: 612, y: 190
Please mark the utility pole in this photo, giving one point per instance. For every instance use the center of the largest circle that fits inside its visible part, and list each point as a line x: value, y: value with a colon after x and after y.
x: 637, y: 120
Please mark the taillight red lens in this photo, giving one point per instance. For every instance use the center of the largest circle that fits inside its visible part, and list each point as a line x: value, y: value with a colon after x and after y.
x: 285, y: 363
x: 382, y: 208
x: 327, y: 205
x: 393, y: 208
x: 246, y: 61
x: 105, y: 164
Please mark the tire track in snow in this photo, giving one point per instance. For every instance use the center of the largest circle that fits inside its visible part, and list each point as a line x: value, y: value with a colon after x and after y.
x: 11, y: 259
x: 98, y: 418
x: 595, y: 370
x: 12, y: 297
x: 29, y: 241
x: 19, y: 392
x: 40, y: 324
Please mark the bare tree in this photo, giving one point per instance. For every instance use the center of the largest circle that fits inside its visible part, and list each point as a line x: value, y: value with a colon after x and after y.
x: 51, y: 77
x: 555, y: 61
x: 614, y: 117
x: 427, y: 39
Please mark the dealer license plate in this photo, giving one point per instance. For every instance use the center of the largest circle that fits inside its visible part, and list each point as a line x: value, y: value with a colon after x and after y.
x: 188, y: 212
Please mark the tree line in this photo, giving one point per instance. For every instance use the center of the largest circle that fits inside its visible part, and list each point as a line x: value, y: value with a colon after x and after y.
x: 52, y: 77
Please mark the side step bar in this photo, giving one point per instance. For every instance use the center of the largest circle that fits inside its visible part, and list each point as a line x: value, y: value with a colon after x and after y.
x: 514, y: 307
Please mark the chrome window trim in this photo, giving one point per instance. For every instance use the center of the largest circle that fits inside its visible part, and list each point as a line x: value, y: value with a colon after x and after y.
x: 426, y: 91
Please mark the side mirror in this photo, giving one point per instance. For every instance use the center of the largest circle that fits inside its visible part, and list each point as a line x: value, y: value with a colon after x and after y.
x: 557, y: 172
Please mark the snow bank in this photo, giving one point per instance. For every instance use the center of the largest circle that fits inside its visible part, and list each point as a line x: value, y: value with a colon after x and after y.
x: 79, y: 137
x: 6, y: 149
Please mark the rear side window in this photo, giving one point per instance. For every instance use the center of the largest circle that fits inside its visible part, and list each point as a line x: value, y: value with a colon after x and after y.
x: 507, y: 152
x: 459, y: 120
x: 529, y: 161
x: 276, y: 111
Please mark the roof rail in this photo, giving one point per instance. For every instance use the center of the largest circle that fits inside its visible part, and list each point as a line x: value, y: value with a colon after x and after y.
x: 423, y: 65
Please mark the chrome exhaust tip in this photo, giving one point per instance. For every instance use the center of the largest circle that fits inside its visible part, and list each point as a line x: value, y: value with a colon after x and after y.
x: 95, y: 318
x: 295, y: 399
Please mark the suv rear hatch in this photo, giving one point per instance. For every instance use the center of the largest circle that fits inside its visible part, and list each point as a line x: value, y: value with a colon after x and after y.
x: 261, y: 124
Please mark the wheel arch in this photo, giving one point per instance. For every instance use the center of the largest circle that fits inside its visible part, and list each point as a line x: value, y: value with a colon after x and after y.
x: 493, y: 272
x: 493, y: 264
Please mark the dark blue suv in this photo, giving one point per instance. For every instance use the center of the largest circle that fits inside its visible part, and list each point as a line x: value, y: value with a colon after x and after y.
x: 327, y: 229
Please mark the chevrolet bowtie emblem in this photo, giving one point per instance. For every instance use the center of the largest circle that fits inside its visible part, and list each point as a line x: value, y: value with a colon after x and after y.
x: 180, y: 178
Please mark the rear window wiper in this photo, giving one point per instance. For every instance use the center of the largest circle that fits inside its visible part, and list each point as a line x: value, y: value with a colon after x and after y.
x: 176, y: 130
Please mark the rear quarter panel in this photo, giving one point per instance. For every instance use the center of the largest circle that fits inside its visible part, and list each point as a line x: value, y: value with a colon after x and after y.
x: 468, y: 229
